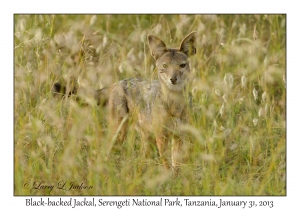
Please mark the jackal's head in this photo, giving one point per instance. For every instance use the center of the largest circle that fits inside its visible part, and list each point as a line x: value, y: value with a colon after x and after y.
x: 172, y: 64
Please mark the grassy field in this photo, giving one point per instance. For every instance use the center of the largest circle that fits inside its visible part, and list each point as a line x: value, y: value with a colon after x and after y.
x: 236, y: 141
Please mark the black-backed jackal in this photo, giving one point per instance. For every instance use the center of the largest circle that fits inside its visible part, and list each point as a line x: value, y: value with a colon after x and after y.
x: 159, y: 105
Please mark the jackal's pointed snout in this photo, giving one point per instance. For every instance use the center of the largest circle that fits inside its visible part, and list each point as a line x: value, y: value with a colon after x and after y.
x: 173, y: 80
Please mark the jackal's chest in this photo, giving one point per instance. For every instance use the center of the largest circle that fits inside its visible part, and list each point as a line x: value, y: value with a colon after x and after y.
x: 154, y: 110
x: 175, y: 108
x: 158, y: 115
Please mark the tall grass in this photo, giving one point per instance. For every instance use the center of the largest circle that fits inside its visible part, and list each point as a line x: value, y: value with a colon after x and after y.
x: 236, y: 142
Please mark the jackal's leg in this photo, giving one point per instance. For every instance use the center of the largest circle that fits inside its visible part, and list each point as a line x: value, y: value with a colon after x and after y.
x: 145, y: 145
x: 176, y: 153
x: 118, y: 115
x: 145, y: 151
x: 117, y: 133
x: 162, y: 145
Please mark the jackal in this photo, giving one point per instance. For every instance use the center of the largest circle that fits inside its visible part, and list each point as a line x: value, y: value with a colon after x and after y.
x: 159, y: 105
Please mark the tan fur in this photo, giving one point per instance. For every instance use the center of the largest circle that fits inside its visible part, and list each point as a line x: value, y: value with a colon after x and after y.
x: 158, y: 104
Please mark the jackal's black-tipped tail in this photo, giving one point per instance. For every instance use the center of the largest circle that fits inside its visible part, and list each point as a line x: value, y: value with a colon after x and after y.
x: 101, y: 96
x: 61, y: 90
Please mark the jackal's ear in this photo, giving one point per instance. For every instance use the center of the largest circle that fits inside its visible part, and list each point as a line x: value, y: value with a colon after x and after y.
x: 188, y: 44
x: 157, y: 47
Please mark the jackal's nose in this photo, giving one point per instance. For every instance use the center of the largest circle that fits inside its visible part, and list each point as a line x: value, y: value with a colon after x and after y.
x: 173, y: 80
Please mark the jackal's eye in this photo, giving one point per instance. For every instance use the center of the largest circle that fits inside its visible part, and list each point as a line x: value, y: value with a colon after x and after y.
x: 182, y: 65
x: 165, y: 65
